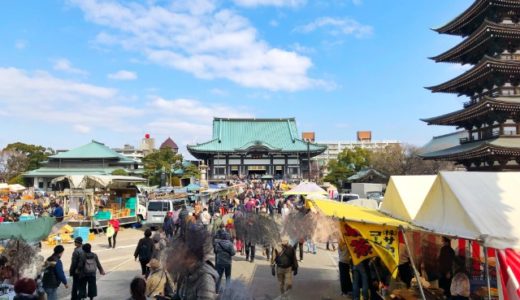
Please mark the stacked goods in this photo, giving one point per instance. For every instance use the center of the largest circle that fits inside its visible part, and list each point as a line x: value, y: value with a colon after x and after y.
x: 63, y: 236
x: 130, y: 206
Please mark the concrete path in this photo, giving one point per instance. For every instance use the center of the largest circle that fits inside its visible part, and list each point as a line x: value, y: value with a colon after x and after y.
x: 317, y: 278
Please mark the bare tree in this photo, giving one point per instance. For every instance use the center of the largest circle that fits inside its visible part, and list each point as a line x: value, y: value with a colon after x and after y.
x: 12, y: 164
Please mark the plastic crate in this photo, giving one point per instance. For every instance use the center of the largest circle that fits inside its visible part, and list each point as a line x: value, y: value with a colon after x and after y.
x: 103, y: 215
x: 82, y: 232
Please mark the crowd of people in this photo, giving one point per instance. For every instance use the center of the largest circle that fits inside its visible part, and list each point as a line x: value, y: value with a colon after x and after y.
x: 175, y: 260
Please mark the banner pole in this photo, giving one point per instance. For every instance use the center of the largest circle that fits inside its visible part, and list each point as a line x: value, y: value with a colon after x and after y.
x: 486, y: 266
x: 417, y: 276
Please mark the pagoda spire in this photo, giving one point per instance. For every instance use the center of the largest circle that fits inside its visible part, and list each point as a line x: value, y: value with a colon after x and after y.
x: 491, y: 117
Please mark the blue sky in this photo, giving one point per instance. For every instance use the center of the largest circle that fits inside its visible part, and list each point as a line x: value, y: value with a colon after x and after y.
x: 72, y: 71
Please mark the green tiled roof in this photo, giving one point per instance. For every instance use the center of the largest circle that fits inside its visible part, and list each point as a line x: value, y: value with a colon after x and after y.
x: 230, y: 135
x: 92, y: 150
x: 55, y: 172
x: 442, y: 142
x: 497, y: 143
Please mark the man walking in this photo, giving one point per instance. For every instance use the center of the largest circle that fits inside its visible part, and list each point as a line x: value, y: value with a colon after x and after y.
x: 224, y: 251
x: 286, y: 264
x: 74, y: 264
x: 144, y: 251
x: 53, y: 275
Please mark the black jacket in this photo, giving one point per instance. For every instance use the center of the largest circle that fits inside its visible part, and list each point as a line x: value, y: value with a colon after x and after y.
x: 149, y: 245
x: 224, y: 251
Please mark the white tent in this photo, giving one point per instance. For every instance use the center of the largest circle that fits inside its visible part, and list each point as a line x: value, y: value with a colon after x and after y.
x: 306, y: 188
x: 475, y: 205
x: 16, y: 187
x: 75, y: 181
x: 405, y: 195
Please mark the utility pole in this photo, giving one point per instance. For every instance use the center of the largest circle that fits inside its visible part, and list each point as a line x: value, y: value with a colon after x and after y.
x: 309, y: 158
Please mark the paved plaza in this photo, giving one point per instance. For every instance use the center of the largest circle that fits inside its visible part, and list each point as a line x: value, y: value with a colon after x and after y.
x: 317, y: 276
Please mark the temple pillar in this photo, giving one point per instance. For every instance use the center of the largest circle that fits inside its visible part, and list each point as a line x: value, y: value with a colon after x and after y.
x: 286, y: 167
x: 242, y: 167
x: 228, y: 170
x: 271, y: 166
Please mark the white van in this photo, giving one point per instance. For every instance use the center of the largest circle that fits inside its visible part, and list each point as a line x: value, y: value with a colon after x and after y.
x: 157, y: 210
x: 347, y: 197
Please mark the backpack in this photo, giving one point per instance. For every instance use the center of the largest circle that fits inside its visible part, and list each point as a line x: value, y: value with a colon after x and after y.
x: 49, y: 279
x: 90, y: 266
x: 145, y: 250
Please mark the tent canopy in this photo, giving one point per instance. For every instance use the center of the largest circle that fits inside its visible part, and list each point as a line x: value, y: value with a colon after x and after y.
x: 97, y: 181
x: 357, y: 214
x: 192, y: 187
x: 16, y: 187
x: 405, y: 195
x: 306, y: 188
x: 474, y: 205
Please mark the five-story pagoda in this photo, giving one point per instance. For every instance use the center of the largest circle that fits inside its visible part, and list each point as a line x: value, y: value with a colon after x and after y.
x: 491, y: 117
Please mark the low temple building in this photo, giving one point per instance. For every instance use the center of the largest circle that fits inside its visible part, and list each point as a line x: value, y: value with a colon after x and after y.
x: 256, y: 148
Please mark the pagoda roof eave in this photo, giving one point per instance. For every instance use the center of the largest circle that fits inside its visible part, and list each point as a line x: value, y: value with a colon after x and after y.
x: 458, y: 25
x: 475, y: 110
x: 483, y: 34
x: 508, y: 146
x: 486, y: 66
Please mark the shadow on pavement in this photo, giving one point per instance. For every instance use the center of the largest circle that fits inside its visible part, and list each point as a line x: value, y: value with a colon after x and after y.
x: 310, y: 283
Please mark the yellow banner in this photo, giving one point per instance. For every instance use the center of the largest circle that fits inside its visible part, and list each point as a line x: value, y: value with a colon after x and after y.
x: 373, y: 240
x: 357, y: 245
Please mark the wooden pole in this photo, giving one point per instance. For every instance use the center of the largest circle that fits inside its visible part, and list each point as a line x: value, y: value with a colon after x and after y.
x: 417, y: 276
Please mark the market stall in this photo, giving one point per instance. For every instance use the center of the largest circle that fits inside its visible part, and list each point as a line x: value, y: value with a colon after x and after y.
x: 93, y: 200
x: 369, y: 233
x: 482, y: 210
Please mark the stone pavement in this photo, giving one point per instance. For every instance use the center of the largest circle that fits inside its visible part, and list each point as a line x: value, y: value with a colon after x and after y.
x: 317, y: 277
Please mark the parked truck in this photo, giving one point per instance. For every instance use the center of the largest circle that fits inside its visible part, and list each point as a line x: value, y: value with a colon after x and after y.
x: 365, y: 189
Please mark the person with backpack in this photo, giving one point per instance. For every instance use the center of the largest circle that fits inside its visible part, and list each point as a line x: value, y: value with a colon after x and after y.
x: 144, y: 251
x: 53, y: 274
x: 76, y: 257
x: 224, y: 252
x: 89, y: 265
x: 284, y: 265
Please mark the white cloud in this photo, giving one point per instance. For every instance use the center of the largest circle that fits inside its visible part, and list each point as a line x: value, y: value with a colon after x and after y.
x: 64, y: 65
x: 219, y: 92
x: 123, y: 75
x: 302, y: 49
x: 357, y: 2
x: 279, y: 3
x: 338, y: 26
x: 273, y: 23
x: 46, y: 100
x: 20, y: 44
x: 191, y: 118
x: 81, y: 128
x: 199, y: 38
x: 197, y: 110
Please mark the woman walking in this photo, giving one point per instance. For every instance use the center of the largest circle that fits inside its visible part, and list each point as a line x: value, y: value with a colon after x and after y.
x: 89, y: 266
